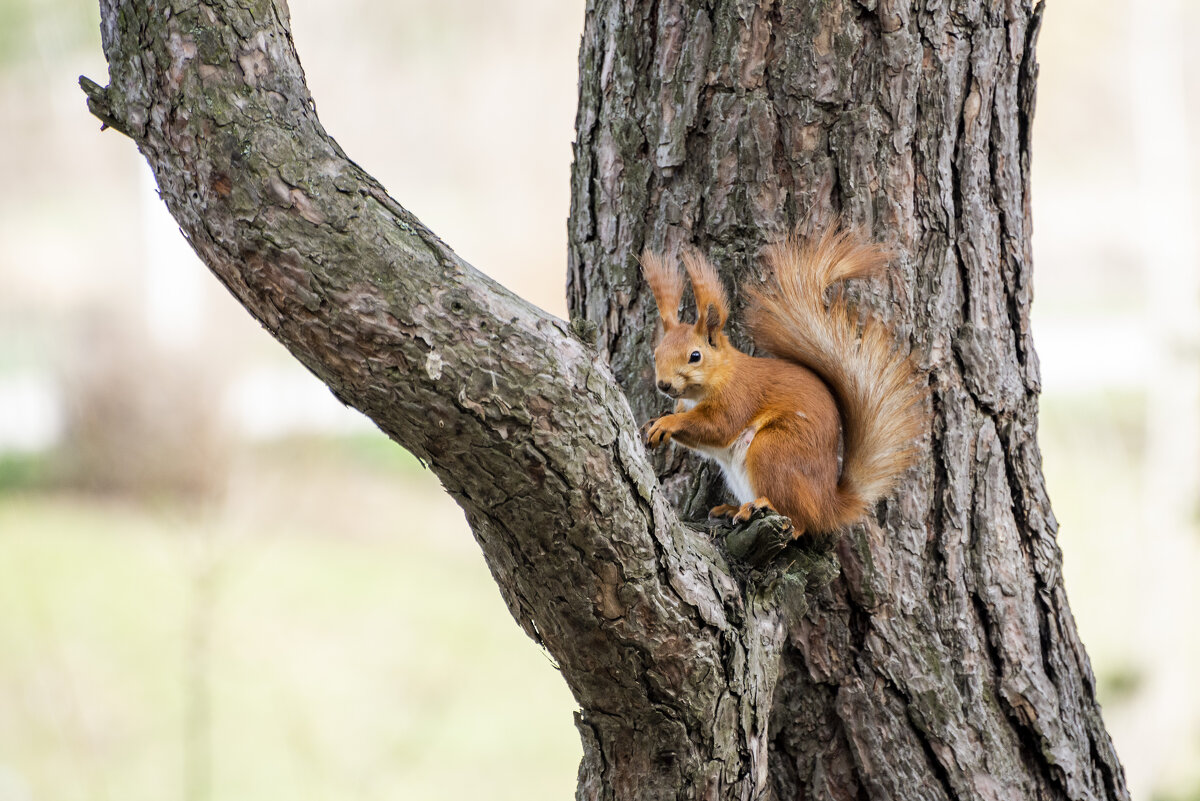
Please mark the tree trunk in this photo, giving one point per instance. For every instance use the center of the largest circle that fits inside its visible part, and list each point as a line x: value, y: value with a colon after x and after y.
x: 943, y: 662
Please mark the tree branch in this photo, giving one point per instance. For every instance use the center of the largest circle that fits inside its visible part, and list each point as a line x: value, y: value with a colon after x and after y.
x: 521, y: 421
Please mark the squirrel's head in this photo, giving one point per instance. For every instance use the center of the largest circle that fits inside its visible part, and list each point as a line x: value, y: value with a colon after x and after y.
x: 691, y: 358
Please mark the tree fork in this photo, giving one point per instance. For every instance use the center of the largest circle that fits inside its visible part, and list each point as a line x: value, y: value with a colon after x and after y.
x: 671, y: 656
x: 944, y: 664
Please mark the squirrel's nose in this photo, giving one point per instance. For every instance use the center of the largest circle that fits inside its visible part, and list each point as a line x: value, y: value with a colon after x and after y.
x: 664, y: 386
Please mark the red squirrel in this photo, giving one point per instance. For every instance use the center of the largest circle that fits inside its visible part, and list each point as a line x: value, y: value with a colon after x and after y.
x: 773, y: 424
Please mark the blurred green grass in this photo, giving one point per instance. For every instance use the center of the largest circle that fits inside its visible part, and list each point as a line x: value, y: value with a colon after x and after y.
x: 293, y: 643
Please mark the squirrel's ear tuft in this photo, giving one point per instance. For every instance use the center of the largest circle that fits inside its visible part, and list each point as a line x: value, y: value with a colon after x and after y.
x: 667, y: 285
x: 712, y: 320
x: 712, y: 308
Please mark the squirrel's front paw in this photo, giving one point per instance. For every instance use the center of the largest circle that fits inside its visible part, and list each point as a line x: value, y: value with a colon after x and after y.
x: 658, y: 431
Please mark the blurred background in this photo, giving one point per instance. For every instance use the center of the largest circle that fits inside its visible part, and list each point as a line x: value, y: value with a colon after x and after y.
x: 217, y: 583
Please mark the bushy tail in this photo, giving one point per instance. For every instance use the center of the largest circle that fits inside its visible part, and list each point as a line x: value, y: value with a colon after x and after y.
x: 876, y: 388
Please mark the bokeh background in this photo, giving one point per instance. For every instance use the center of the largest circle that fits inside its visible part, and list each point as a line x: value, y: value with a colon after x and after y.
x: 217, y: 583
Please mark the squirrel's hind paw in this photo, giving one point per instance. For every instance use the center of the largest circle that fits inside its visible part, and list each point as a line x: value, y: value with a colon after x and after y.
x: 723, y: 511
x: 747, y: 510
x: 741, y: 514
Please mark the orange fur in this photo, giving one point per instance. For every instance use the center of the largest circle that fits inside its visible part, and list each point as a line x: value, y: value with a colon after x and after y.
x: 774, y: 424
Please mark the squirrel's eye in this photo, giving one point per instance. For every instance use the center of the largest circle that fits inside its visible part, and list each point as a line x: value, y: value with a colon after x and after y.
x: 695, y: 357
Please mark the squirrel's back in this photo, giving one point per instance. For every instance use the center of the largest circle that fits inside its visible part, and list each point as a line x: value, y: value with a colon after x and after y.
x: 877, y: 389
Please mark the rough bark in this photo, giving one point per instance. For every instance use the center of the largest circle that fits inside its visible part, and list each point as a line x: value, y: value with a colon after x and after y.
x: 944, y: 663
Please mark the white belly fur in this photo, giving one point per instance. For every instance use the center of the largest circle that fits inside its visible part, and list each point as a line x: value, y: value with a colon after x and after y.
x: 732, y: 461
